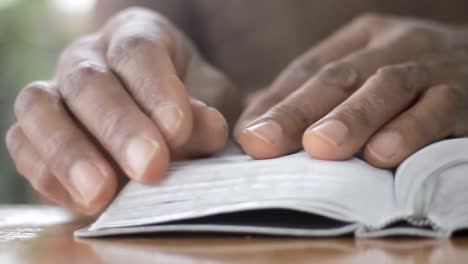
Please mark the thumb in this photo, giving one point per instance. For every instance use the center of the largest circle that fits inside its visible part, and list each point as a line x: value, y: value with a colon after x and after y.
x: 211, y: 86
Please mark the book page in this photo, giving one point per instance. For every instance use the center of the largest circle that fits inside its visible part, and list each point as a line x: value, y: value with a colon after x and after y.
x: 433, y: 182
x: 350, y: 190
x: 449, y: 204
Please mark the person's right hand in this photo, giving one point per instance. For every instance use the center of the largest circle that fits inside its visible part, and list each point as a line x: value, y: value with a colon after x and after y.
x: 118, y: 105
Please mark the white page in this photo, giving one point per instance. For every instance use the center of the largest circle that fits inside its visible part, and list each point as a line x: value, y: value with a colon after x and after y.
x: 449, y: 204
x: 434, y: 180
x: 348, y: 190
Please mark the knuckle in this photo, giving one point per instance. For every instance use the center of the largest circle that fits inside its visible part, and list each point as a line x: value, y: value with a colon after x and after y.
x: 358, y: 113
x: 137, y: 42
x: 389, y: 75
x: 30, y: 96
x: 134, y: 46
x: 404, y: 78
x: 77, y: 52
x: 303, y: 68
x: 295, y: 115
x: 80, y: 78
x: 139, y: 31
x: 342, y: 76
x: 415, y: 73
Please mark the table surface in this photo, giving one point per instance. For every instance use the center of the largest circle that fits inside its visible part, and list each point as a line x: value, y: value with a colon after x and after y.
x: 39, y: 234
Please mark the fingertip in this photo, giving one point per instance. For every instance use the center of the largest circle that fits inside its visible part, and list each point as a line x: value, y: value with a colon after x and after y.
x: 385, y: 150
x: 370, y: 158
x: 107, y: 191
x: 91, y: 184
x: 175, y: 123
x: 156, y: 170
x: 319, y: 146
x: 210, y: 133
x: 261, y: 140
x: 218, y: 128
x: 147, y: 159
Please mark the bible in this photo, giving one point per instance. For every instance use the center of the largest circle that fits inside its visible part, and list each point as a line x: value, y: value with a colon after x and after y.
x: 296, y: 195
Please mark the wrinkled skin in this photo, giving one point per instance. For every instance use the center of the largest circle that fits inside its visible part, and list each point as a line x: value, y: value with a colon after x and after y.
x: 396, y: 86
x: 119, y: 105
x: 136, y: 94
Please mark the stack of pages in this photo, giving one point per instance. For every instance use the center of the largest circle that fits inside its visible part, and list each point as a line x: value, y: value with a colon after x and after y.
x: 296, y: 195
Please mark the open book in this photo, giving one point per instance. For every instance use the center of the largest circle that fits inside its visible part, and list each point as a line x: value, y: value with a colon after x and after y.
x: 296, y: 195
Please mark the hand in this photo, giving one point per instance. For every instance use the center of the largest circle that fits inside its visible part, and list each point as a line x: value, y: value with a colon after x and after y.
x: 119, y: 105
x: 387, y: 86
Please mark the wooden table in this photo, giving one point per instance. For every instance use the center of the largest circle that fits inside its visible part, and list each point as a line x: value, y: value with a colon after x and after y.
x: 34, y: 234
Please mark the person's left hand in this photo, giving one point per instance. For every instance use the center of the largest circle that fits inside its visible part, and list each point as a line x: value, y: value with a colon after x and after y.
x: 384, y: 85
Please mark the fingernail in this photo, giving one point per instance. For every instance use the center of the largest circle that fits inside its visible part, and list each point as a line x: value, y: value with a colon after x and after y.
x: 87, y: 181
x: 268, y: 132
x: 241, y: 127
x: 170, y: 118
x: 140, y: 152
x: 333, y: 131
x: 385, y: 146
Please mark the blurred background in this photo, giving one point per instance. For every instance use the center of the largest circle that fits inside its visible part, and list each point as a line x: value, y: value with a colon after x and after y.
x: 32, y: 33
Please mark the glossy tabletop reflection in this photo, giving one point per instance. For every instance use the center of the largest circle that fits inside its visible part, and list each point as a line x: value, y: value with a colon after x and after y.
x: 35, y: 234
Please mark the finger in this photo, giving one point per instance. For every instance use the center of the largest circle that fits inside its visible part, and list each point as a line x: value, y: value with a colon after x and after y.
x: 214, y: 88
x: 210, y: 132
x: 142, y: 52
x: 279, y: 130
x: 98, y: 100
x: 346, y: 129
x: 69, y: 155
x: 435, y: 116
x: 356, y: 36
x: 30, y: 165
